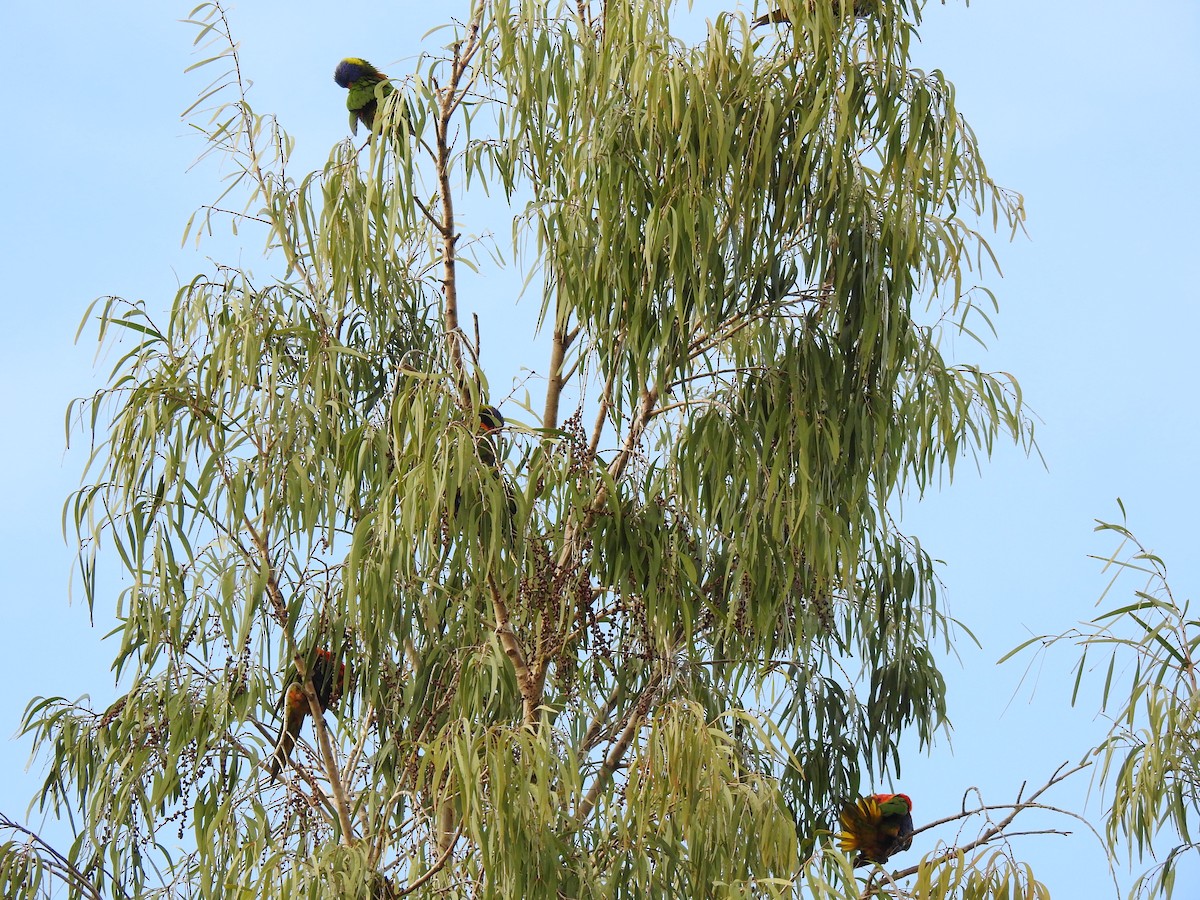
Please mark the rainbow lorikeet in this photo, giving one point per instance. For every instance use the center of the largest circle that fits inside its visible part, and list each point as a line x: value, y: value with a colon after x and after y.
x: 876, y: 827
x: 328, y: 684
x: 863, y: 9
x: 363, y: 81
x: 490, y: 419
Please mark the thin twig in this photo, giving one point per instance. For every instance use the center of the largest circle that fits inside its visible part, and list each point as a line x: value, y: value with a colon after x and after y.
x: 602, y: 413
x: 357, y: 750
x: 328, y: 760
x: 997, y: 829
x: 526, y: 681
x: 57, y: 860
x: 449, y: 99
x: 617, y: 753
x: 437, y: 865
x: 554, y: 381
x: 592, y: 736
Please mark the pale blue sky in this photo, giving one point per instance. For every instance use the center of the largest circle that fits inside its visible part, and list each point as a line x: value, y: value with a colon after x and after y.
x: 1088, y: 108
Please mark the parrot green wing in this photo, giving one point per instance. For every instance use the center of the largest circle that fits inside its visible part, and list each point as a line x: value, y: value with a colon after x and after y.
x: 361, y: 93
x: 896, y: 805
x: 363, y: 100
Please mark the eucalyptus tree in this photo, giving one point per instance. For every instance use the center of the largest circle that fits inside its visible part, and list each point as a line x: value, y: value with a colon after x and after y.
x: 646, y: 637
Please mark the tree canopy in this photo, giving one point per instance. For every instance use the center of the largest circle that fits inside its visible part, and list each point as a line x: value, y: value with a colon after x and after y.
x: 646, y: 634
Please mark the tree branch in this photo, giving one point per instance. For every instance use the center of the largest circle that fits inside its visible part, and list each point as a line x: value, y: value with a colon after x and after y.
x: 554, y: 381
x: 325, y: 745
x: 592, y: 736
x: 602, y: 413
x: 435, y: 868
x: 617, y: 753
x: 69, y: 872
x: 449, y: 99
x: 357, y: 750
x: 528, y: 684
x: 998, y: 828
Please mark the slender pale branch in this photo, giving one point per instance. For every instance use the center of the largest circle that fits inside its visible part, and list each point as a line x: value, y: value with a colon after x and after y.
x: 237, y: 215
x: 592, y: 736
x: 249, y: 130
x: 328, y: 760
x: 637, y: 428
x: 274, y: 592
x: 383, y: 833
x: 71, y: 873
x: 428, y: 213
x: 575, y: 529
x: 563, y: 338
x: 261, y: 547
x: 602, y: 413
x: 554, y: 382
x: 618, y: 750
x: 435, y: 868
x: 363, y: 733
x: 998, y: 829
x: 528, y: 683
x: 449, y: 99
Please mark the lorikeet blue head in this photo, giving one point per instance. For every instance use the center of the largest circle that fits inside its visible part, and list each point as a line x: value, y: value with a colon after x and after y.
x: 490, y: 419
x: 351, y: 69
x: 367, y: 85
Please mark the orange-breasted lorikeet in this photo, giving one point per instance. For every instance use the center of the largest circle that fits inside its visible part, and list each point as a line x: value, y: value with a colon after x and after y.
x: 364, y: 82
x: 876, y: 827
x: 490, y: 419
x: 328, y: 684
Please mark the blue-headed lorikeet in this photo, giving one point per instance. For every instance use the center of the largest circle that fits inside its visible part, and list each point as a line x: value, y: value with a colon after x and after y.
x: 363, y: 81
x: 876, y: 827
x: 490, y: 419
x: 328, y: 683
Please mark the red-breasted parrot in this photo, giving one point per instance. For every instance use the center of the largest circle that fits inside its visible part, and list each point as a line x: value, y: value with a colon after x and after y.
x: 876, y: 827
x: 490, y: 419
x: 328, y: 684
x: 363, y: 81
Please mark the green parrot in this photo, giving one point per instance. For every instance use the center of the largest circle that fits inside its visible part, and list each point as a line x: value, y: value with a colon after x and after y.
x: 328, y: 685
x: 862, y: 9
x: 490, y: 421
x: 363, y: 81
x: 876, y: 827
